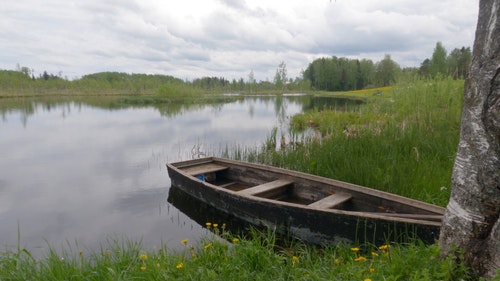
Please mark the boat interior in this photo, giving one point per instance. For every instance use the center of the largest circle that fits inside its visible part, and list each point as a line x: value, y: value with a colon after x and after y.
x: 285, y: 188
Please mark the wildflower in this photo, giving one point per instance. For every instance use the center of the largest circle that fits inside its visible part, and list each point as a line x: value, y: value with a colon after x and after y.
x: 208, y: 246
x: 384, y: 247
x: 295, y: 260
x: 143, y: 267
x: 355, y: 249
x: 184, y: 241
x: 179, y: 266
x: 208, y: 224
x: 367, y: 279
x: 337, y: 261
x: 374, y: 254
x: 215, y: 225
x: 360, y: 258
x: 143, y: 257
x: 235, y: 240
x: 372, y: 269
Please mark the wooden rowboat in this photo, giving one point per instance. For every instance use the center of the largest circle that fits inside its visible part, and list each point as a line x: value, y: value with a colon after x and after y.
x: 312, y: 208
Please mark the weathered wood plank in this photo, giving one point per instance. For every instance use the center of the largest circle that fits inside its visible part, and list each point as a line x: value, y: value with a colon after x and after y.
x: 266, y: 187
x: 414, y: 216
x: 205, y: 168
x: 227, y: 184
x: 331, y: 201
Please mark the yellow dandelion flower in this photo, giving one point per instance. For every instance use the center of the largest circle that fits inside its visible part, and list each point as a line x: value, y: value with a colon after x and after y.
x: 372, y: 269
x: 236, y: 240
x: 384, y: 247
x: 208, y: 224
x: 360, y: 258
x: 295, y: 259
x: 143, y: 267
x: 215, y: 225
x: 143, y: 257
x: 179, y: 266
x: 367, y: 279
x: 374, y: 254
x: 184, y: 241
x: 355, y: 249
x: 208, y: 246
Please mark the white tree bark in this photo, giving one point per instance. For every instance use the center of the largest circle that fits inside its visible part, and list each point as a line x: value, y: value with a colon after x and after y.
x: 472, y: 220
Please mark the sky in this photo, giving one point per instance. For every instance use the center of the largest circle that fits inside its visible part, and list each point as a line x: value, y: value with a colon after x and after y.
x: 190, y: 39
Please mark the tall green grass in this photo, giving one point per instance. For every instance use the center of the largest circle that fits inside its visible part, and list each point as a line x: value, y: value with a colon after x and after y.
x: 403, y: 141
x: 255, y: 257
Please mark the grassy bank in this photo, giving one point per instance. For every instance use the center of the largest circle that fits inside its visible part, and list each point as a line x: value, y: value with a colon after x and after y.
x: 402, y: 140
x: 256, y: 257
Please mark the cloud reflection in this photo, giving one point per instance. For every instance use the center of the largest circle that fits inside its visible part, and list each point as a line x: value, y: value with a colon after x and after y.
x: 92, y: 172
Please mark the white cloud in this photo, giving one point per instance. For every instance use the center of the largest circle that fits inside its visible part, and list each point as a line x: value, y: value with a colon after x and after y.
x: 228, y: 38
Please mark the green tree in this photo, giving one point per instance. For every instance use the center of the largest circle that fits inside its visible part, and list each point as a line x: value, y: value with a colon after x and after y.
x: 366, y: 73
x: 424, y: 69
x: 339, y: 74
x: 280, y: 78
x: 386, y: 71
x: 438, y: 61
x: 458, y: 62
x: 251, y: 81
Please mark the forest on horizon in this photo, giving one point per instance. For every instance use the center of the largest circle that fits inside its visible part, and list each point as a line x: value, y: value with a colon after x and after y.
x: 326, y: 74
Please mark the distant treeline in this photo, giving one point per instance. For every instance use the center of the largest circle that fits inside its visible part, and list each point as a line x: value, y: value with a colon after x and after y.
x: 330, y: 74
x: 343, y: 74
x: 109, y: 83
x: 19, y: 82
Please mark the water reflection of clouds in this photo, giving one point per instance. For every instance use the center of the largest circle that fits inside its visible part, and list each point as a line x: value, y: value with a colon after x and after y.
x: 95, y: 172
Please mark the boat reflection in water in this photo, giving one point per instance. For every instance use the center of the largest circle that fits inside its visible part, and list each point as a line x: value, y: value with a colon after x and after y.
x: 229, y: 226
x: 202, y: 213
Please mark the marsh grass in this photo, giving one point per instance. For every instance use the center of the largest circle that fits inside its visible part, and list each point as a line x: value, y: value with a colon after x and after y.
x: 253, y: 257
x: 402, y: 140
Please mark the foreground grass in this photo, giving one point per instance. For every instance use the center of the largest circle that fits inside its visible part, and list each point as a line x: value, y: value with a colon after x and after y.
x: 257, y: 257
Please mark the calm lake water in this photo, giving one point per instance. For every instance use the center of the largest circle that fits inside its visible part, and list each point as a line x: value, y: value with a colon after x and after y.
x: 71, y: 173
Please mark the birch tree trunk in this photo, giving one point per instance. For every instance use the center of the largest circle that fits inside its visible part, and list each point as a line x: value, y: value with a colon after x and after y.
x: 472, y: 220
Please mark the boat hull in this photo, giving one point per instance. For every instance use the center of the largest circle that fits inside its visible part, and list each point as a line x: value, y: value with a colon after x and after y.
x: 314, y: 225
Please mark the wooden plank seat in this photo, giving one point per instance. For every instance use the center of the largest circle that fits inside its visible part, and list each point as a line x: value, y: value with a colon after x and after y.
x: 205, y: 168
x: 331, y: 201
x: 266, y: 187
